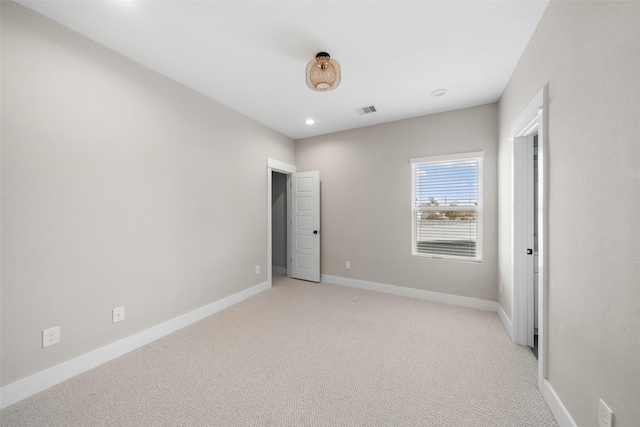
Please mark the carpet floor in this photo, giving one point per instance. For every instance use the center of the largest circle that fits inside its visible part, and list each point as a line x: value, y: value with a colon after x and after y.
x: 306, y: 354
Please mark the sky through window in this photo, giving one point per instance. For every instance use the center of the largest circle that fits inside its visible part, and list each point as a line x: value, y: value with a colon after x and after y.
x: 447, y: 184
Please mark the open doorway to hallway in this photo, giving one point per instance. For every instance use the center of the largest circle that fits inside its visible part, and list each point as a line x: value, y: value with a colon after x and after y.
x: 279, y: 220
x: 530, y: 229
x: 534, y: 347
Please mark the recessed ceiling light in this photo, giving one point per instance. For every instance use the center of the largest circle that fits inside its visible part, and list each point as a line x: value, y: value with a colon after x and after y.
x: 309, y: 121
x: 438, y: 93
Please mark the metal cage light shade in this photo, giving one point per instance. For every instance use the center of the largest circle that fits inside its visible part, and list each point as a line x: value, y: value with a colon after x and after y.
x: 323, y: 73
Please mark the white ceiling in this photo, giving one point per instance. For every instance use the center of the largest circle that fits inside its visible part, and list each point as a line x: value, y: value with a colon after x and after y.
x: 251, y: 55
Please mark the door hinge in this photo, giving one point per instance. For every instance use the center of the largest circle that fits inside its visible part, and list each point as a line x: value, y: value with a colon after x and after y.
x: 529, y: 251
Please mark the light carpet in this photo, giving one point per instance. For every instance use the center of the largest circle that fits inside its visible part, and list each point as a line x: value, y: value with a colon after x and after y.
x: 306, y: 354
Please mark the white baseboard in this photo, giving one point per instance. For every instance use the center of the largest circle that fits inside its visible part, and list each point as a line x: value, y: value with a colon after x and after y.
x: 43, y: 380
x: 479, y: 304
x: 281, y: 271
x: 505, y: 321
x: 560, y: 413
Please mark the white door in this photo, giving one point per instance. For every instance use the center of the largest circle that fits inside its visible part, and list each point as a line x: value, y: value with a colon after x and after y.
x: 524, y: 238
x: 305, y: 229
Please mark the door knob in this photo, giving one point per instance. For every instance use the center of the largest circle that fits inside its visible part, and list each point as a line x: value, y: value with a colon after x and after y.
x: 315, y: 231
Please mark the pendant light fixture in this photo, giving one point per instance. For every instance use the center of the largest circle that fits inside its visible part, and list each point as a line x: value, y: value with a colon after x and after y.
x: 323, y: 73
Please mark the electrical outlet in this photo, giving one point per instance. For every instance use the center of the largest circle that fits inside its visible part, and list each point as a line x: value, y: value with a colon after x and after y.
x: 347, y: 265
x: 257, y: 269
x: 50, y: 336
x: 605, y: 416
x: 118, y: 314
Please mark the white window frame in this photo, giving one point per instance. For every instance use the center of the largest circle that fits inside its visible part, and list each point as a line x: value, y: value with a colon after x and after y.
x: 461, y: 157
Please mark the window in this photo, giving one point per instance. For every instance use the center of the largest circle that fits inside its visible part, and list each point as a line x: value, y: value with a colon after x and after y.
x: 447, y: 206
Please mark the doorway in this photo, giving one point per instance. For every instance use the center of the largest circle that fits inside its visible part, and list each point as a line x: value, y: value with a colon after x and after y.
x: 536, y: 258
x: 279, y: 223
x: 284, y: 169
x: 302, y: 222
x: 524, y: 239
x: 530, y: 219
x: 527, y: 266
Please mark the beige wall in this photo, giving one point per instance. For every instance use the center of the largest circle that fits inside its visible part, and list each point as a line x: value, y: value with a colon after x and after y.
x: 117, y: 190
x: 366, y: 200
x: 588, y: 53
x: 119, y: 187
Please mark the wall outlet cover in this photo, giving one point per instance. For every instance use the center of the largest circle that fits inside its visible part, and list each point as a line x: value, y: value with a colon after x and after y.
x: 118, y: 314
x: 50, y: 336
x: 605, y: 415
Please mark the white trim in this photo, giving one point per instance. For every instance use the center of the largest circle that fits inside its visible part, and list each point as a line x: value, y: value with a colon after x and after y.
x: 527, y: 121
x: 560, y: 413
x: 505, y: 321
x: 279, y: 166
x: 41, y: 381
x: 435, y: 159
x: 285, y: 168
x: 543, y: 234
x: 476, y: 303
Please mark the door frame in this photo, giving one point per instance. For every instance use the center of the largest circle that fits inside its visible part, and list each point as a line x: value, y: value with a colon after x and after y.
x: 286, y: 169
x: 532, y: 120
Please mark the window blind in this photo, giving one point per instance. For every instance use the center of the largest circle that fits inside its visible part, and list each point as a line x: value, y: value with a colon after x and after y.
x: 447, y: 206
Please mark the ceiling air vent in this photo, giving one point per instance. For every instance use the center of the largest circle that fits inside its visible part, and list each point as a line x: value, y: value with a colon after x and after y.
x: 366, y: 110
